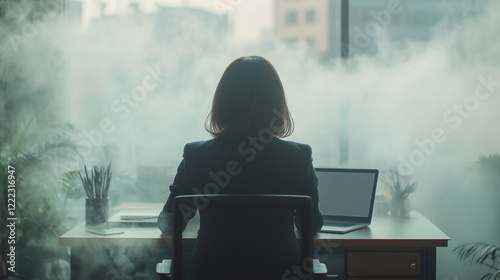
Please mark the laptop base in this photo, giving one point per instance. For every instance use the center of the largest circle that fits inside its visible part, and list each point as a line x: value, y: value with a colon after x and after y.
x: 335, y: 229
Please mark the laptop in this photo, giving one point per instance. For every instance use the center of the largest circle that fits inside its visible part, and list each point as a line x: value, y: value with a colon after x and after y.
x: 346, y: 198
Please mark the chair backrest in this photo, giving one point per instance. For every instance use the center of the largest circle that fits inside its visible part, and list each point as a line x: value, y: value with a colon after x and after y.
x: 301, y: 203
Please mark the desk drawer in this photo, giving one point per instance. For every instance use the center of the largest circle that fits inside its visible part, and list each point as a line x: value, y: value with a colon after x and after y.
x: 383, y: 263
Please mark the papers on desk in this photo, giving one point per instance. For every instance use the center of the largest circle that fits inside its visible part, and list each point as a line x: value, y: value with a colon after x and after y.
x: 134, y: 219
x: 104, y: 231
x: 138, y: 215
x: 140, y: 206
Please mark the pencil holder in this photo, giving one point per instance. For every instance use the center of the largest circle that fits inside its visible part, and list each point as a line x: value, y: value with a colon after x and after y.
x: 96, y: 211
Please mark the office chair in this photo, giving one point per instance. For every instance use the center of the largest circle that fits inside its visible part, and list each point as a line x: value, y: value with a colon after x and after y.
x: 172, y: 269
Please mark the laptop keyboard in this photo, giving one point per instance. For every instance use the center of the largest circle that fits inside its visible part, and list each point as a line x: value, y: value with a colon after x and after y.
x: 337, y: 224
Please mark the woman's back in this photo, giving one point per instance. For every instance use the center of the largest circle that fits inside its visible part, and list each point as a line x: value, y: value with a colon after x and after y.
x: 249, y: 113
x: 235, y: 236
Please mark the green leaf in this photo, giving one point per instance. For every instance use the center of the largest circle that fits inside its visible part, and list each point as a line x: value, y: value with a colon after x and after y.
x: 21, y: 131
x: 478, y: 253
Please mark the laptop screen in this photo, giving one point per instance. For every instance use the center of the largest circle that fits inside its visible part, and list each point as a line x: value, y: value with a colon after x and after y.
x: 346, y: 192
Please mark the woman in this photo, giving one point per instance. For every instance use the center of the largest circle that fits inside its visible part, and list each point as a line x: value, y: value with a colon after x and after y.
x: 249, y: 114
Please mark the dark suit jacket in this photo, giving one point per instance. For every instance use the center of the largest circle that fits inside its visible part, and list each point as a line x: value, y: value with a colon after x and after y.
x: 243, y: 166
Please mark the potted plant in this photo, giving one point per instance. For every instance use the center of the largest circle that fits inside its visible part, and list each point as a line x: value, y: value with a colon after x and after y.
x: 482, y: 253
x: 400, y: 187
x: 43, y: 189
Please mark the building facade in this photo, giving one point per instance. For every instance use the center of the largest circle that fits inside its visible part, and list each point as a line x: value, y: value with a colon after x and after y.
x: 316, y: 24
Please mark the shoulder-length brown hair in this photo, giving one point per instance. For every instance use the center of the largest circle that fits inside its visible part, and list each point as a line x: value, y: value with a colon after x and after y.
x: 249, y: 98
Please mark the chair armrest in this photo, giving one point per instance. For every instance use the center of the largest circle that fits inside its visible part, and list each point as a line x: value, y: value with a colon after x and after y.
x: 163, y: 269
x: 319, y: 268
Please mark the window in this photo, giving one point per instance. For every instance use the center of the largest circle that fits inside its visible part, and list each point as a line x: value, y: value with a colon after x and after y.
x: 291, y: 18
x: 291, y: 42
x: 311, y: 16
x: 103, y: 8
x: 311, y: 42
x: 134, y: 7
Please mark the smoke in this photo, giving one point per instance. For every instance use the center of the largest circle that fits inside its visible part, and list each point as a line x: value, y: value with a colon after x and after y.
x: 430, y: 109
x: 141, y: 84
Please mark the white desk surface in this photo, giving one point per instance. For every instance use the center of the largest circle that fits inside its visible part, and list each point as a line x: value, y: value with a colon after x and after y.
x: 385, y: 231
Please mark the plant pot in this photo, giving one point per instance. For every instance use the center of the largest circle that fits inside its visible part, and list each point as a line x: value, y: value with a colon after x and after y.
x: 96, y: 211
x: 400, y: 207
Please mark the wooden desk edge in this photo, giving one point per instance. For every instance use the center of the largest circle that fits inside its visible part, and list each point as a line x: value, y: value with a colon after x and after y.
x: 353, y: 243
x: 152, y: 237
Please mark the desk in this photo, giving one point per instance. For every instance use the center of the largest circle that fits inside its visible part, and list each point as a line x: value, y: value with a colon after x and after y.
x: 391, y: 247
